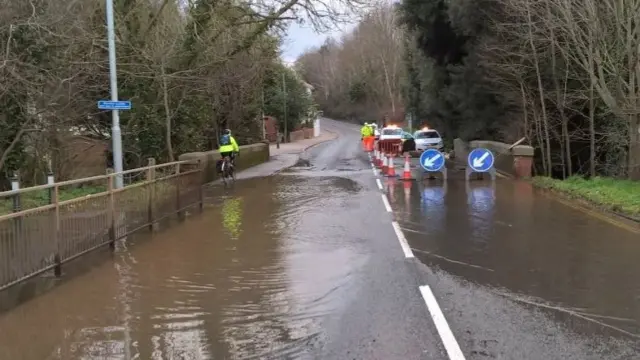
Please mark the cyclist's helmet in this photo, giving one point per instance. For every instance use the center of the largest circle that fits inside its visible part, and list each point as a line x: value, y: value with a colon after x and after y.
x: 226, y: 132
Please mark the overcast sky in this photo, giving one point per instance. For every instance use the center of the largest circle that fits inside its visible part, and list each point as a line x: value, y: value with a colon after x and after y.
x: 303, y: 37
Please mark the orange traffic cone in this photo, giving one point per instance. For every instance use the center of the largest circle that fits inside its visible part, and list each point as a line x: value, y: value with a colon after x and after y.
x: 406, y: 174
x: 392, y: 171
x: 385, y: 164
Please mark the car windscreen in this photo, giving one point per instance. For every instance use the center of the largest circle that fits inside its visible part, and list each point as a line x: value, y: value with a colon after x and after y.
x: 392, y: 132
x: 427, y: 135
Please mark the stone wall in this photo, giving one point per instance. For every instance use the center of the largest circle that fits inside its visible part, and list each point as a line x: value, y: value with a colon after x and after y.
x: 250, y: 155
x: 516, y: 161
x: 296, y: 135
x: 308, y: 133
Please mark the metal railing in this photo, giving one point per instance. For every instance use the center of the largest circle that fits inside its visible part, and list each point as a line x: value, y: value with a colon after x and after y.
x: 42, y: 227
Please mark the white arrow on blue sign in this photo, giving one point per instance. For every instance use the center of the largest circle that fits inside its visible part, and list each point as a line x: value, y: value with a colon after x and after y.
x: 432, y: 160
x: 480, y: 160
x: 114, y: 105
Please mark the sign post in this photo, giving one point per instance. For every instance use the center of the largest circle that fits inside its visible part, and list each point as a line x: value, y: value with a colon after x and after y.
x: 433, y: 161
x: 480, y: 160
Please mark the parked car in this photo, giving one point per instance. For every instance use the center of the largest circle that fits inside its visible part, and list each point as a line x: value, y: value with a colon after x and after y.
x: 428, y: 139
x: 391, y: 132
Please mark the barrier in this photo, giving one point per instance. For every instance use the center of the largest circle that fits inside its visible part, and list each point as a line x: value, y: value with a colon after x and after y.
x: 390, y: 146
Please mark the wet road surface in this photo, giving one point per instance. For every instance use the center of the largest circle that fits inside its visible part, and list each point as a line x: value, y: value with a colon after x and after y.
x: 522, y: 275
x: 292, y: 266
x: 306, y: 264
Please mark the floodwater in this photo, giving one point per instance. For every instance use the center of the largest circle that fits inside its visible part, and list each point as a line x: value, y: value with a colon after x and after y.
x: 254, y: 276
x: 527, y: 247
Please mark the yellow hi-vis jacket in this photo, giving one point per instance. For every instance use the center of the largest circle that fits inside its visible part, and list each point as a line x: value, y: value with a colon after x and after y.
x: 233, y: 146
x: 365, y: 131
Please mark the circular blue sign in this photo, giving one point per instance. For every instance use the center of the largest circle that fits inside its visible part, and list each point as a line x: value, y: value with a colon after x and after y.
x: 432, y: 160
x: 480, y: 160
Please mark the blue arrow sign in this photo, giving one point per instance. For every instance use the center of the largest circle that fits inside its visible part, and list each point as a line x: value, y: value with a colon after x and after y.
x: 114, y: 105
x: 480, y: 160
x: 432, y: 160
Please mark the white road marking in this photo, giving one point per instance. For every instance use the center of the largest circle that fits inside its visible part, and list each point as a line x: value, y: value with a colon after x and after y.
x: 386, y: 203
x: 379, y: 184
x: 449, y: 341
x: 403, y: 241
x: 375, y: 172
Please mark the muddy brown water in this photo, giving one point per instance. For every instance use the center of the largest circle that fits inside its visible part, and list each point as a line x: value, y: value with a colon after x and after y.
x: 235, y: 282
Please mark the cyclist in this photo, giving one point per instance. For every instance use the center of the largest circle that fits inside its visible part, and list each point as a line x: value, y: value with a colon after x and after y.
x: 228, y: 147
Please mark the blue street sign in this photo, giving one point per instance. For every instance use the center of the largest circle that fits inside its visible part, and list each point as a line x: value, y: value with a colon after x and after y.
x: 432, y: 160
x: 480, y: 160
x: 114, y: 105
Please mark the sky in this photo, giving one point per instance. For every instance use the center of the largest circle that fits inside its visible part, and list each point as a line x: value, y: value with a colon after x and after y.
x: 302, y: 37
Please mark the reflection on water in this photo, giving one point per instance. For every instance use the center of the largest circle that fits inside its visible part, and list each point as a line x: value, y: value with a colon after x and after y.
x: 253, y: 277
x: 433, y: 206
x: 232, y: 216
x: 481, y: 201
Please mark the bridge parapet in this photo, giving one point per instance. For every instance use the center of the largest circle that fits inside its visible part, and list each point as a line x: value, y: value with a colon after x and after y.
x: 516, y: 161
x: 250, y: 155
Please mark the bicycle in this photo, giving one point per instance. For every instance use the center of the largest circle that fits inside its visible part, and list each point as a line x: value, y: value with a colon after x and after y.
x: 227, y: 170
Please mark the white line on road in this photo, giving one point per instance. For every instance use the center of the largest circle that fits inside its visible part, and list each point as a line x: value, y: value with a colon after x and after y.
x: 449, y: 341
x: 375, y: 172
x: 403, y: 241
x: 379, y: 184
x: 386, y: 203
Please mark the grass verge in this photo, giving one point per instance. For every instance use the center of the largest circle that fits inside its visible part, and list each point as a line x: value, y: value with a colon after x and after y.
x: 622, y: 196
x: 33, y: 199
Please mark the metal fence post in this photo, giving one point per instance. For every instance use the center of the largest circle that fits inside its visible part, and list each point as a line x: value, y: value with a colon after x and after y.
x: 15, y: 185
x: 151, y: 176
x: 50, y: 181
x: 111, y: 213
x: 55, y: 199
x: 16, y: 207
x: 201, y: 187
x: 178, y: 200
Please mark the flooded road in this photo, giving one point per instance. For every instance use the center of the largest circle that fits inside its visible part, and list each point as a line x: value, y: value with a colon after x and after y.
x: 539, y: 270
x: 328, y: 260
x: 294, y: 266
